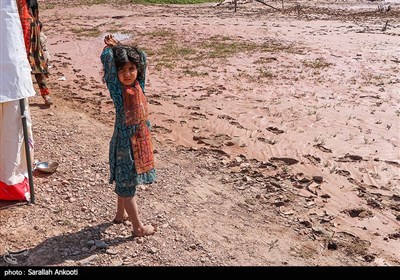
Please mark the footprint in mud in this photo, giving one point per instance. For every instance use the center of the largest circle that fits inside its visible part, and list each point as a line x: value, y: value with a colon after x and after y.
x: 322, y: 148
x: 161, y: 129
x: 178, y: 104
x: 197, y: 116
x: 395, y: 235
x: 224, y: 139
x: 199, y: 139
x: 118, y: 17
x: 313, y: 159
x: 65, y: 64
x: 154, y: 102
x: 62, y: 55
x: 169, y: 121
x: 207, y: 141
x: 235, y: 123
x: 392, y: 163
x: 289, y: 161
x: 268, y: 141
x: 194, y: 108
x: 341, y: 172
x: 275, y: 130
x: 225, y: 117
x: 349, y: 158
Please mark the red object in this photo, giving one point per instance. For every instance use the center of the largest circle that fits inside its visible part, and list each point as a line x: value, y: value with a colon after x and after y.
x: 14, y: 192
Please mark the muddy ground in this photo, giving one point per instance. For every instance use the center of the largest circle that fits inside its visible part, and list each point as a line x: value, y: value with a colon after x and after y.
x: 276, y: 137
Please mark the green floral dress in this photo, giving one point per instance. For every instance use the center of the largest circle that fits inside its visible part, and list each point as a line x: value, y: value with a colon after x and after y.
x: 122, y: 165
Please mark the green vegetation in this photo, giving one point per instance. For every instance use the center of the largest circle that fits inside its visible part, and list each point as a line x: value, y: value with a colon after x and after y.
x: 194, y: 73
x: 169, y: 51
x: 216, y: 47
x: 171, y: 1
x: 318, y: 63
x: 125, y: 2
x: 90, y: 32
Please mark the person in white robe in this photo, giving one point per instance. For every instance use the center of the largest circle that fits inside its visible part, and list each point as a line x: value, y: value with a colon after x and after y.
x: 15, y: 84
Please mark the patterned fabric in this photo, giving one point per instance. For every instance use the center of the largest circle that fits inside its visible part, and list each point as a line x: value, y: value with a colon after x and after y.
x: 31, y: 30
x: 142, y: 149
x: 26, y: 20
x: 41, y: 81
x: 121, y: 156
x: 34, y: 50
x: 135, y: 104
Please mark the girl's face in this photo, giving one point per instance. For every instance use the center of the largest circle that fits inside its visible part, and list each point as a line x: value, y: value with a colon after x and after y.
x: 127, y: 74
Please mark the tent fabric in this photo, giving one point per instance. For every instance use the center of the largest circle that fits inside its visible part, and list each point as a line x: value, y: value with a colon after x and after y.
x: 15, y: 84
x: 15, y: 71
x: 13, y: 166
x: 15, y: 192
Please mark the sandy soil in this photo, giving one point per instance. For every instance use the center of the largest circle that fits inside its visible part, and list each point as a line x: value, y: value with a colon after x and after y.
x: 276, y: 137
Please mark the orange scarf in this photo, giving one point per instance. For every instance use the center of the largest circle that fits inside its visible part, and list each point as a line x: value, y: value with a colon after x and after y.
x: 135, y: 105
x: 136, y: 113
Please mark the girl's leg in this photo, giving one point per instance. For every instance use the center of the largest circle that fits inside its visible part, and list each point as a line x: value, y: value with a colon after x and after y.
x: 138, y: 228
x: 120, y: 216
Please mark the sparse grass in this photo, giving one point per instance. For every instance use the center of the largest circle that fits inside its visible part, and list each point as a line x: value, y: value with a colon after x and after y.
x: 264, y: 60
x: 193, y: 73
x: 216, y: 47
x: 319, y: 141
x: 318, y: 63
x: 269, y: 47
x: 44, y: 5
x: 262, y: 73
x: 223, y: 47
x: 183, y: 2
x: 311, y: 112
x: 126, y: 2
x: 373, y: 79
x: 286, y: 169
x: 162, y: 64
x: 90, y: 32
x: 333, y: 169
x: 171, y: 51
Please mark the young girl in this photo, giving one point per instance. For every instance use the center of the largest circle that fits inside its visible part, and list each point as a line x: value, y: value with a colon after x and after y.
x: 131, y: 153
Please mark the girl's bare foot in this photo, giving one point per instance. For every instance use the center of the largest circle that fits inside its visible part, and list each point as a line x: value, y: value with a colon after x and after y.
x: 143, y: 231
x: 118, y: 220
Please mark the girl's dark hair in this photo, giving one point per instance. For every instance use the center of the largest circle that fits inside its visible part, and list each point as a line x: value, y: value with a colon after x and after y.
x: 124, y: 54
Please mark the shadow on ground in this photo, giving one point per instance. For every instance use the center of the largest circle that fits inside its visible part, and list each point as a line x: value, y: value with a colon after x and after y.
x: 76, y: 246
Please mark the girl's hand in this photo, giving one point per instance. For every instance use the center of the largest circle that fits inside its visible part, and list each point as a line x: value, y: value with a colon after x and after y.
x: 110, y: 41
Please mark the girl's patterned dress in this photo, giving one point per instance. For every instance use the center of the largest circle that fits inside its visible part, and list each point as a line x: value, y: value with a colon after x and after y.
x: 127, y: 173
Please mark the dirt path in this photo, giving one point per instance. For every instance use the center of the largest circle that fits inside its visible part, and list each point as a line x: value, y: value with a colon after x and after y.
x: 276, y: 135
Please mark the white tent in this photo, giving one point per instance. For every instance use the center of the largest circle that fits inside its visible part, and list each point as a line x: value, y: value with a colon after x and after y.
x: 15, y: 124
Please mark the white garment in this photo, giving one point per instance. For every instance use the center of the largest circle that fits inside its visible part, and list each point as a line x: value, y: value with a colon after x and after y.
x: 13, y: 167
x: 15, y: 71
x: 15, y: 83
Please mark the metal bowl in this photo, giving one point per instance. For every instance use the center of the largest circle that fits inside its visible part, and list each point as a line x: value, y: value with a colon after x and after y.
x: 47, y: 166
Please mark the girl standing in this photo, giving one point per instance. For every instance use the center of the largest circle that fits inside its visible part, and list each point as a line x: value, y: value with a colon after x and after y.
x: 131, y: 153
